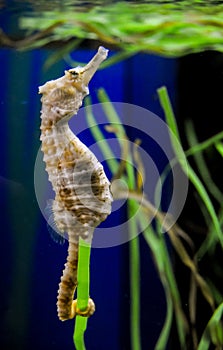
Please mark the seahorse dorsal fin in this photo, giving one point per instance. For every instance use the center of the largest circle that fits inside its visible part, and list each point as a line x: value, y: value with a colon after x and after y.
x: 55, y: 234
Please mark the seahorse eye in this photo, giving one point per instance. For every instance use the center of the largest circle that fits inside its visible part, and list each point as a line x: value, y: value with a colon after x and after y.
x: 73, y: 72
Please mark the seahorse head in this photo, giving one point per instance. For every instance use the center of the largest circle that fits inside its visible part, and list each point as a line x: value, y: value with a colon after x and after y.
x: 64, y: 95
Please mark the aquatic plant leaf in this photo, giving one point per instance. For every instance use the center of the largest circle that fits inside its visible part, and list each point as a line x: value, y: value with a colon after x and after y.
x: 113, y: 118
x: 171, y: 29
x: 82, y: 292
x: 34, y: 44
x: 110, y: 111
x: 218, y: 297
x: 213, y: 329
x: 124, y: 143
x: 134, y: 256
x: 134, y: 264
x: 139, y: 165
x: 166, y: 105
x: 134, y: 267
x: 118, y: 57
x: 219, y: 147
x: 181, y: 251
x: 98, y: 136
x: 153, y: 242
x: 80, y: 328
x: 83, y: 274
x: 217, y: 232
x: 200, y: 147
x: 192, y: 303
x: 157, y: 243
x: 168, y: 110
x: 165, y: 332
x: 164, y: 266
x: 201, y: 164
x: 181, y: 320
x: 59, y: 54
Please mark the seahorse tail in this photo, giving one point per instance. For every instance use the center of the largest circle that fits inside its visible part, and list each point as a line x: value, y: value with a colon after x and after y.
x: 66, y: 306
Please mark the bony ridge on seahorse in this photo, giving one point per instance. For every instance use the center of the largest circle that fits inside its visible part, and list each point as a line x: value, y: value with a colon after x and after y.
x: 82, y: 190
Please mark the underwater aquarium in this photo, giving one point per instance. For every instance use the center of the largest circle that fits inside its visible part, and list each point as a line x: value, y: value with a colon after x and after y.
x: 140, y: 83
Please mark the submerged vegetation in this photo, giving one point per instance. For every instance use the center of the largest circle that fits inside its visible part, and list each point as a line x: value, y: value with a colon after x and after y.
x: 156, y: 240
x: 169, y: 28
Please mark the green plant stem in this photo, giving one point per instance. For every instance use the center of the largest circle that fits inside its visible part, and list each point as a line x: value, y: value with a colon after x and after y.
x: 80, y: 328
x: 134, y: 280
x: 98, y: 136
x: 134, y: 262
x: 163, y: 262
x: 166, y: 105
x: 201, y: 164
x: 82, y: 292
x: 204, y: 145
x: 132, y: 207
x: 219, y: 148
x: 213, y: 331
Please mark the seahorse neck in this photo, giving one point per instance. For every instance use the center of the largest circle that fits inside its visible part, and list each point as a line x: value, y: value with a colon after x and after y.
x: 54, y: 139
x: 54, y: 124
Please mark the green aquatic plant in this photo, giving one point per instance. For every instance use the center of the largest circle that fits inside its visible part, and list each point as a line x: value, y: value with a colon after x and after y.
x: 167, y: 28
x: 213, y: 333
x: 153, y: 235
x: 195, y: 180
x: 82, y: 292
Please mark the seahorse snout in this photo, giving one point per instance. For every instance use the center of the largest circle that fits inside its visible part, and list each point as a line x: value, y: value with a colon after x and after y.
x: 89, y: 70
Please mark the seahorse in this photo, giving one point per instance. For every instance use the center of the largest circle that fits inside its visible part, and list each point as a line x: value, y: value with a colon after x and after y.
x: 82, y: 190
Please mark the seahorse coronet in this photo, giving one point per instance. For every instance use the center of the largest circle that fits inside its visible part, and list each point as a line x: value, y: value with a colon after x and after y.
x: 82, y: 190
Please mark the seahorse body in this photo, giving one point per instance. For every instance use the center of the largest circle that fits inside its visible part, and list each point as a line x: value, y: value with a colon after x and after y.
x: 82, y: 190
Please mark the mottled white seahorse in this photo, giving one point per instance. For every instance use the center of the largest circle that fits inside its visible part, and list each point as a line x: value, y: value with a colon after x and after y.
x: 82, y: 190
